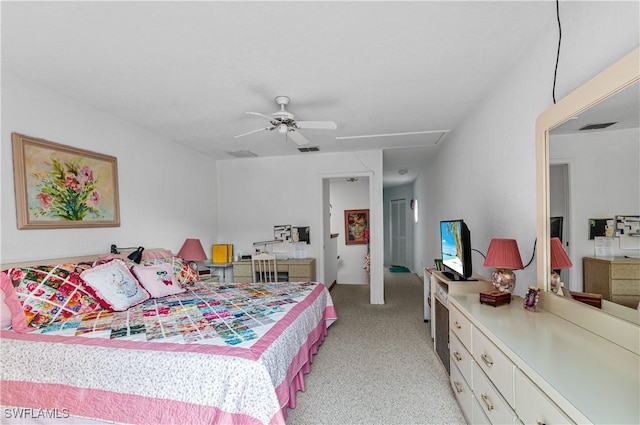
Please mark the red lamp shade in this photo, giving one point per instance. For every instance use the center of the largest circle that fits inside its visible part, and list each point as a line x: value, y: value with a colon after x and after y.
x: 559, y: 258
x: 192, y: 250
x: 503, y: 254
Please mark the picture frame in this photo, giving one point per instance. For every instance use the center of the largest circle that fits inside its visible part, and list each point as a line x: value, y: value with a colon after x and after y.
x: 59, y: 186
x: 282, y: 232
x: 532, y: 298
x: 356, y: 227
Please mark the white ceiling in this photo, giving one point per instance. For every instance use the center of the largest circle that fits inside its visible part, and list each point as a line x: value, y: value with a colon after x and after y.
x: 622, y: 109
x: 189, y: 71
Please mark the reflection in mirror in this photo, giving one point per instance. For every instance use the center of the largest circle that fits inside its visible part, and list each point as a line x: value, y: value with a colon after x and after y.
x: 590, y: 183
x: 594, y: 176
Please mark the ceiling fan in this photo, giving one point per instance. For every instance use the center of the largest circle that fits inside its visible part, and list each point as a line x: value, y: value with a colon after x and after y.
x: 283, y: 121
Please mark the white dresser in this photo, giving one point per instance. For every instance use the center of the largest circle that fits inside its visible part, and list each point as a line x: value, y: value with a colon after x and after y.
x: 512, y: 366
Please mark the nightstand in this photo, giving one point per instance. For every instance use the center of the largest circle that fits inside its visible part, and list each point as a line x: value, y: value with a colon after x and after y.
x: 205, y: 271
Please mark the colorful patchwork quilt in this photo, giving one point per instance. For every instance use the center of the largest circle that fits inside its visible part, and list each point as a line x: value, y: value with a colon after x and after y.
x: 232, y: 314
x: 217, y: 353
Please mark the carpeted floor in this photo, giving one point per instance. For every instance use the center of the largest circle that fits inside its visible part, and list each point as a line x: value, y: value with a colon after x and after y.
x: 377, y: 364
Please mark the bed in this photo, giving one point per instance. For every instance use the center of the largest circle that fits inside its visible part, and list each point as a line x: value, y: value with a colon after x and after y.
x: 204, y: 353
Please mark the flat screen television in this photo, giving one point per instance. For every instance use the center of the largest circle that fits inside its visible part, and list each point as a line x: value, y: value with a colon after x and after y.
x: 456, y: 249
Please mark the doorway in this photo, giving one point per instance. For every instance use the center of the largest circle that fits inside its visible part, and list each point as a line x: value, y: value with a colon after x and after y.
x: 343, y: 263
x: 560, y: 211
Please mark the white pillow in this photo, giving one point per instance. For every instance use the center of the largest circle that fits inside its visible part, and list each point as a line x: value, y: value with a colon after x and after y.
x: 159, y: 280
x: 114, y: 286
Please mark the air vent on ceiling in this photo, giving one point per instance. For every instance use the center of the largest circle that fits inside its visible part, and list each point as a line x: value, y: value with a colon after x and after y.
x: 241, y: 154
x: 310, y: 149
x: 597, y: 126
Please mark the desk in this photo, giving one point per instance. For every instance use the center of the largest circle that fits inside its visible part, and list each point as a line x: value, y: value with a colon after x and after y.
x: 292, y: 269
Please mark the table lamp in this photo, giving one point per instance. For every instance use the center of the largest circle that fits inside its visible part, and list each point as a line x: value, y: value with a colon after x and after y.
x: 135, y: 256
x: 559, y: 260
x: 192, y: 251
x: 503, y: 254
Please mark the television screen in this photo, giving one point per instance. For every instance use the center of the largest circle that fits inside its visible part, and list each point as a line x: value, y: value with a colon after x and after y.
x: 456, y: 247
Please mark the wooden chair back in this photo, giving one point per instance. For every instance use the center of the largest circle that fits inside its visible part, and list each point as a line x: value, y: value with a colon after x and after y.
x: 265, y: 269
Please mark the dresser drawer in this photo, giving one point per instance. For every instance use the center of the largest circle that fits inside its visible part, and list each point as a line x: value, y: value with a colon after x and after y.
x: 463, y: 393
x: 303, y: 271
x: 494, y: 363
x: 625, y: 271
x: 625, y: 287
x: 243, y: 272
x: 493, y: 405
x: 477, y: 414
x: 630, y: 301
x: 460, y: 357
x: 533, y: 406
x: 460, y: 326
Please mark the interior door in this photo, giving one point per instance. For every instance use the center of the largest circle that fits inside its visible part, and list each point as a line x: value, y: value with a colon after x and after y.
x: 399, y: 232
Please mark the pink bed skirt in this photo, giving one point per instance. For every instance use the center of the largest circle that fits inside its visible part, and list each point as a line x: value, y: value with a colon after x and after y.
x: 300, y: 366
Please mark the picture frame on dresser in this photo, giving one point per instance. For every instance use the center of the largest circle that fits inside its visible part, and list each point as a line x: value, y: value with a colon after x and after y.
x: 59, y: 186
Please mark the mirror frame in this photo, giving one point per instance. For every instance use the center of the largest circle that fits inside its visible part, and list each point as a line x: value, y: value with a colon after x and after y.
x: 612, y: 80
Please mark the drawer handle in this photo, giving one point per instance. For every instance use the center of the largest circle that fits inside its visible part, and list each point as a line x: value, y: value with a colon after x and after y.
x: 487, y: 360
x: 457, y: 325
x: 487, y: 401
x: 457, y: 356
x: 457, y: 385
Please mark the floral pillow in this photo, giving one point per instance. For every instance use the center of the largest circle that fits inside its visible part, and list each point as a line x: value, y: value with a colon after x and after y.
x: 49, y: 293
x: 158, y: 280
x: 12, y: 313
x: 181, y: 270
x: 113, y: 285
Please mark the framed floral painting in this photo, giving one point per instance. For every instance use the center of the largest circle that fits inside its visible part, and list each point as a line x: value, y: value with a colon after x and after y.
x: 59, y: 186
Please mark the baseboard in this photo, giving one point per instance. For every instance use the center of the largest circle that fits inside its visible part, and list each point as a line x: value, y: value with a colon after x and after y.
x: 332, y: 285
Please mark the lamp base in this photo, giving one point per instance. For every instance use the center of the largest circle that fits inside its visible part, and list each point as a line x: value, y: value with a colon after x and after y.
x: 503, y: 280
x: 495, y: 298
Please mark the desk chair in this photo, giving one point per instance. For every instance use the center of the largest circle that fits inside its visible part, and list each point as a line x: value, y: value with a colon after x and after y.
x: 264, y: 268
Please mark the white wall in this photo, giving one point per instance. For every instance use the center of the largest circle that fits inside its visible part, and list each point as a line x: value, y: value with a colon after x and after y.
x: 167, y: 193
x: 604, y: 182
x: 257, y: 193
x: 349, y: 196
x: 484, y: 171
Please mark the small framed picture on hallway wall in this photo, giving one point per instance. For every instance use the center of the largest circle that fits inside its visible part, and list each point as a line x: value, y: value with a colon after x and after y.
x: 356, y: 227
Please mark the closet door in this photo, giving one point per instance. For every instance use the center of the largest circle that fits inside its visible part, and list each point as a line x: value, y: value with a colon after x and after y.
x: 399, y: 232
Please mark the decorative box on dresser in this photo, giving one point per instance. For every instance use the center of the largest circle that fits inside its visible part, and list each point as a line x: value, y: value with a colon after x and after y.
x: 617, y: 279
x: 509, y: 365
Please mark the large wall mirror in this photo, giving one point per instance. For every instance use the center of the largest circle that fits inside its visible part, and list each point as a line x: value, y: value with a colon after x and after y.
x: 592, y: 174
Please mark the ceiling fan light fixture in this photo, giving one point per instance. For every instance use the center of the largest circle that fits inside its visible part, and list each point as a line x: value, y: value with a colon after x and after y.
x: 285, y: 124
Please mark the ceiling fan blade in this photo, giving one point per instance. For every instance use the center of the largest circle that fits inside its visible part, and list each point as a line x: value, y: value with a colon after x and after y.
x: 266, y: 117
x: 297, y: 137
x: 321, y: 125
x: 251, y: 132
